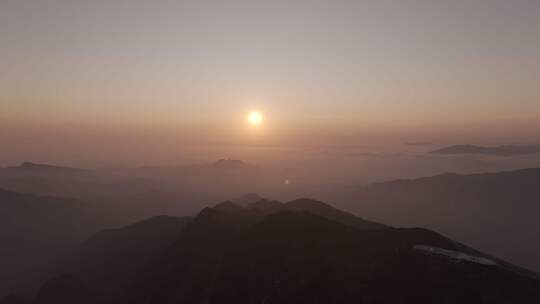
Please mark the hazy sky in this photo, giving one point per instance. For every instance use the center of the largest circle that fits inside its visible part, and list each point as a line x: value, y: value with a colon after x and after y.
x: 104, y: 75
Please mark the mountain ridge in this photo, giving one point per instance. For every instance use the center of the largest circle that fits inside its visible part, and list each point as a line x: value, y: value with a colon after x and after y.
x: 505, y: 150
x: 234, y: 254
x: 465, y: 207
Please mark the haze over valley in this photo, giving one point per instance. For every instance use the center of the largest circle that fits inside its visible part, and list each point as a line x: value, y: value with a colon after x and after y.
x: 269, y: 152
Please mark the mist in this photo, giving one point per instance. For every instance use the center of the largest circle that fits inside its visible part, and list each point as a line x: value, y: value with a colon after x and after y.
x: 251, y: 151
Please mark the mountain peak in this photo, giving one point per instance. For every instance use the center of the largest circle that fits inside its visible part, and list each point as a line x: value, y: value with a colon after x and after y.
x: 228, y: 207
x: 28, y: 165
x: 231, y: 164
x: 322, y: 209
x: 248, y: 199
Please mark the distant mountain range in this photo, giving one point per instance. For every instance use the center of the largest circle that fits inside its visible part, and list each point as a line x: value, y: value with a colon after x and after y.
x: 496, y: 212
x: 121, y: 195
x: 254, y: 250
x: 508, y: 150
x: 52, y: 180
x: 219, y: 166
x: 29, y: 168
x: 303, y: 251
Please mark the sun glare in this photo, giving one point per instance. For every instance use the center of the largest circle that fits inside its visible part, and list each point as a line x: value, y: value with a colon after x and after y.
x: 255, y: 118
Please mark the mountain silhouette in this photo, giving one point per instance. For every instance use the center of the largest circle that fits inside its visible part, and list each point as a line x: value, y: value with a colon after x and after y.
x: 124, y: 197
x: 107, y: 261
x: 259, y: 207
x: 508, y: 150
x: 331, y: 213
x: 247, y: 199
x: 221, y: 164
x: 35, y: 228
x: 303, y: 251
x: 226, y: 256
x: 495, y: 212
x: 231, y: 164
x: 66, y: 289
x: 30, y: 167
x: 53, y: 180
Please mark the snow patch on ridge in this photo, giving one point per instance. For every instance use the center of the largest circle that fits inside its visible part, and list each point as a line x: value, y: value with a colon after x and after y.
x: 456, y: 255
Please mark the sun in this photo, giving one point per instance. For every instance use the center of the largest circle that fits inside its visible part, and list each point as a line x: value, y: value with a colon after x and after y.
x: 255, y: 118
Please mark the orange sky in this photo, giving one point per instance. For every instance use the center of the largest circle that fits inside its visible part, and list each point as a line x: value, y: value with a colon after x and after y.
x: 180, y: 74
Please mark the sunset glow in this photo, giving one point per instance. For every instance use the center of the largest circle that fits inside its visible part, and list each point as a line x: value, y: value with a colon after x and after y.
x: 255, y: 118
x: 175, y: 80
x: 269, y: 151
